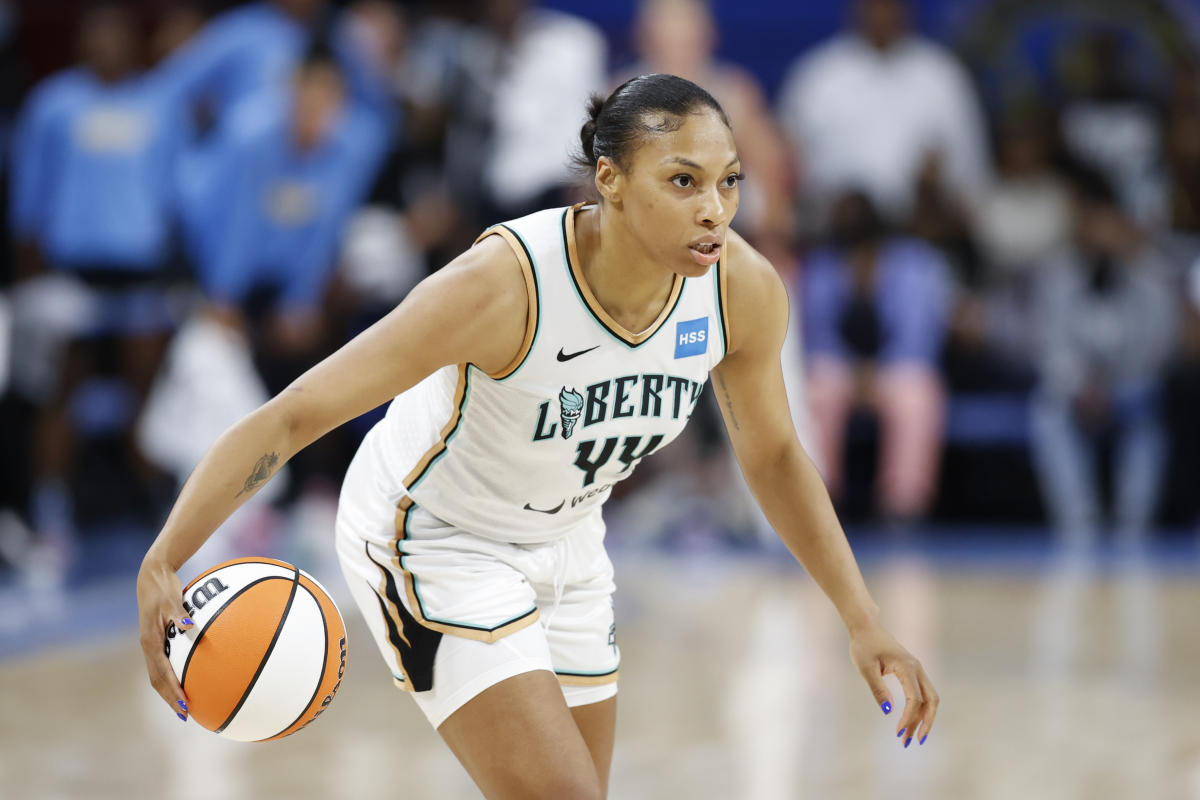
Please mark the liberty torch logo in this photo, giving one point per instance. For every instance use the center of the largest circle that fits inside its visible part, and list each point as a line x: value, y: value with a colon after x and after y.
x: 571, y: 404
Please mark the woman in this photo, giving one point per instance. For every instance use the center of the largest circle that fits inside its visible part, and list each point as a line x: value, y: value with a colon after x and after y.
x: 469, y: 525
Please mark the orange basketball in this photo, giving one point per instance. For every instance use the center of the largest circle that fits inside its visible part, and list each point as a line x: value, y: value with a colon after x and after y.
x: 267, y: 653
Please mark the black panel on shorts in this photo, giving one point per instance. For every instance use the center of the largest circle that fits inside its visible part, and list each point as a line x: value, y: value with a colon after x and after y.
x: 418, y: 645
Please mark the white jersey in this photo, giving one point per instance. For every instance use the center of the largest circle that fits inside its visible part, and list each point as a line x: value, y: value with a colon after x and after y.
x: 527, y: 454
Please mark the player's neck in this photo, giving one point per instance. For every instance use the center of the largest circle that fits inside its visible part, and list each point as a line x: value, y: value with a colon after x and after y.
x: 632, y: 291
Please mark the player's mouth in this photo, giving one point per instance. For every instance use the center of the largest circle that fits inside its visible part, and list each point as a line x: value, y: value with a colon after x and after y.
x: 707, y: 251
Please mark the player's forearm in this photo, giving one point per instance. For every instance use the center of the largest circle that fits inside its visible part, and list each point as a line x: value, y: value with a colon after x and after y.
x: 796, y: 503
x: 237, y: 465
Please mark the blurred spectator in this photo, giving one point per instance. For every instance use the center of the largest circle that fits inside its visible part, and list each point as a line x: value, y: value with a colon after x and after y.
x: 271, y: 196
x: 870, y: 107
x: 91, y: 209
x: 875, y: 309
x: 1020, y: 219
x: 679, y: 37
x: 256, y: 47
x: 1025, y: 213
x: 1182, y: 399
x: 942, y: 218
x: 1110, y: 126
x: 1178, y: 234
x: 392, y: 240
x: 506, y: 95
x: 1105, y: 322
x: 267, y: 208
x: 546, y: 64
x: 1182, y: 144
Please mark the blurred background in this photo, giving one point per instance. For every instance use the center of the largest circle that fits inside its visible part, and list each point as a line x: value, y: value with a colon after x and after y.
x: 987, y: 213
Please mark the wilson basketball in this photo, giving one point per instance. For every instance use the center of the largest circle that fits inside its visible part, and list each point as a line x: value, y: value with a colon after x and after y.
x: 267, y: 653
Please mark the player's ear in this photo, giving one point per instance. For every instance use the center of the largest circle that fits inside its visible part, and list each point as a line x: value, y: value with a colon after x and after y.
x: 610, y: 180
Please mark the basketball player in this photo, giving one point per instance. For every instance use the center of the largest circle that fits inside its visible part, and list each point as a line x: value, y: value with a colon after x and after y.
x: 529, y: 376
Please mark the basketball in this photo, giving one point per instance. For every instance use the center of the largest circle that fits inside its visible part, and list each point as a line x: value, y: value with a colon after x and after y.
x: 267, y: 653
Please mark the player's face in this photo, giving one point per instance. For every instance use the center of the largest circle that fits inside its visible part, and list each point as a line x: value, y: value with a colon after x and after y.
x: 681, y: 192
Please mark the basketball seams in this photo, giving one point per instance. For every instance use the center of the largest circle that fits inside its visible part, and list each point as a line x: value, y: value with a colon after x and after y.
x: 266, y: 656
x: 211, y: 620
x: 276, y: 637
x: 271, y: 562
x: 324, y: 666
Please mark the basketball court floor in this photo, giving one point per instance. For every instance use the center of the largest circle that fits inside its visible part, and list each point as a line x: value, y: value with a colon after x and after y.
x: 1061, y: 678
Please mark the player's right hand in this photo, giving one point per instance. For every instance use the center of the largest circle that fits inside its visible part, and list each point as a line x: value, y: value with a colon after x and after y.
x: 160, y: 605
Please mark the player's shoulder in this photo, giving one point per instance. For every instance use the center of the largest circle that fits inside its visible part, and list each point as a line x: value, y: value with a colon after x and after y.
x: 493, y: 265
x: 756, y: 296
x: 751, y: 278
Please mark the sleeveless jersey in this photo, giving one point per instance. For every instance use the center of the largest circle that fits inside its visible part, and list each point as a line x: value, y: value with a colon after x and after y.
x: 527, y: 454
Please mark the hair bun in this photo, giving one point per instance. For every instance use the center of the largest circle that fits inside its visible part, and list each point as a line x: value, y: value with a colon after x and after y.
x: 587, y: 134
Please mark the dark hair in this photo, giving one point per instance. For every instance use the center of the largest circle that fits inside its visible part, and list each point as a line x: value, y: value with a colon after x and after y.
x: 617, y: 124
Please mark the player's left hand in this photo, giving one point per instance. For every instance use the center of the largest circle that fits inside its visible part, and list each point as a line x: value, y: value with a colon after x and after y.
x: 876, y: 653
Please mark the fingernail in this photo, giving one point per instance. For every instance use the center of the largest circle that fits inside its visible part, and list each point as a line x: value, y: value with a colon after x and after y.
x: 181, y: 716
x: 923, y: 738
x: 187, y: 621
x: 901, y: 733
x: 182, y: 705
x: 907, y: 742
x: 887, y: 707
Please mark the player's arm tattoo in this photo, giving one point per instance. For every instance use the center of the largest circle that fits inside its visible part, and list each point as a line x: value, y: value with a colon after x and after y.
x: 728, y: 402
x: 259, y: 475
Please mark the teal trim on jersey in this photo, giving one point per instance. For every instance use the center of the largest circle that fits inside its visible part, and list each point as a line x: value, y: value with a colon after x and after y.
x: 583, y: 301
x: 720, y: 306
x: 462, y: 412
x: 417, y: 591
x: 599, y: 674
x: 537, y: 290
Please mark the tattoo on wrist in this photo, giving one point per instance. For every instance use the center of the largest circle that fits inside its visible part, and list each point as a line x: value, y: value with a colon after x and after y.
x: 728, y: 402
x: 259, y: 475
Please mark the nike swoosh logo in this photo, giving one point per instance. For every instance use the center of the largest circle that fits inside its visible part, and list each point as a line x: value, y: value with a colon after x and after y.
x: 554, y: 510
x: 567, y: 357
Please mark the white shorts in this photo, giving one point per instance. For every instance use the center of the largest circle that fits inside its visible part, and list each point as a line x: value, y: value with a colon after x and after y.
x: 507, y: 608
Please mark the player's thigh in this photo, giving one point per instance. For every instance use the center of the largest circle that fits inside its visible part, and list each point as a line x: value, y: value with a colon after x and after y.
x: 518, y: 740
x: 597, y: 723
x: 581, y: 635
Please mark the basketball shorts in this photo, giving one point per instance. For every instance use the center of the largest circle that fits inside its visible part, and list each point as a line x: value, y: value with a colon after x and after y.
x: 454, y: 613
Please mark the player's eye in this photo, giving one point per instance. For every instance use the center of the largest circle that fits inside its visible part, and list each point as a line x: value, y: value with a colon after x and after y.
x: 731, y: 180
x: 682, y: 181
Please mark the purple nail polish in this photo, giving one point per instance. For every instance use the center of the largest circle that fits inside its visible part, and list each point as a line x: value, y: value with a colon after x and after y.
x: 887, y: 707
x: 182, y: 705
x: 923, y: 738
x: 181, y: 716
x: 901, y: 733
x: 907, y: 742
x: 187, y: 621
